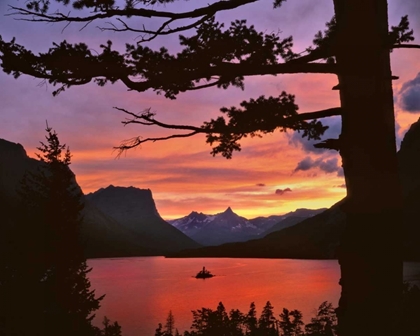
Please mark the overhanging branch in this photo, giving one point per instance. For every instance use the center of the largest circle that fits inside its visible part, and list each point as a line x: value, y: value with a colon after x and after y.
x: 335, y: 111
x: 147, y: 118
x: 232, y: 70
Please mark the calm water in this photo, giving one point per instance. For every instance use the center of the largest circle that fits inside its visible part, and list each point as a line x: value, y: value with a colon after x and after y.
x: 141, y: 291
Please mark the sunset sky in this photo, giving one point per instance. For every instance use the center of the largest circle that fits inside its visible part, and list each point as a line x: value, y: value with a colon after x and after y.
x: 272, y: 175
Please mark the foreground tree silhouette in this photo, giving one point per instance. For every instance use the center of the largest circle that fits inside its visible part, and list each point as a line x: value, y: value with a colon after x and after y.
x: 325, y: 321
x: 110, y: 329
x: 47, y: 291
x: 356, y: 46
x: 251, y: 322
x: 267, y: 321
x: 291, y: 322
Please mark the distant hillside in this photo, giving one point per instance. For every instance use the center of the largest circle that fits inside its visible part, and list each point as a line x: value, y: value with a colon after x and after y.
x: 135, y: 210
x: 227, y: 226
x: 292, y: 218
x: 102, y: 235
x: 318, y: 237
x: 409, y: 159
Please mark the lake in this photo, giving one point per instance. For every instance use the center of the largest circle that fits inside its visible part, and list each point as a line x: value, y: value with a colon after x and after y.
x: 141, y: 291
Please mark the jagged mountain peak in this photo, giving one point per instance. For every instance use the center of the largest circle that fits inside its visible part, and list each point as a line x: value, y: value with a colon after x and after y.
x: 195, y: 213
x: 228, y: 211
x: 112, y: 187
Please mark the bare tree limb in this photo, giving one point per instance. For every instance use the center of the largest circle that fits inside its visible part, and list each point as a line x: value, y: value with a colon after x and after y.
x: 209, y: 10
x: 331, y: 112
x: 148, y: 116
x: 408, y: 46
x: 154, y: 33
x: 137, y: 141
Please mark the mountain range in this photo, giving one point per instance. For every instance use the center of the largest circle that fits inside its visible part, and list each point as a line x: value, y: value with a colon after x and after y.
x: 124, y: 221
x: 107, y: 228
x: 318, y: 237
x: 121, y: 221
x: 227, y: 226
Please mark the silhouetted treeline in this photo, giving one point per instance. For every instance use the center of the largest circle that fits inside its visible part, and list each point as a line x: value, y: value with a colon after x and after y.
x: 44, y: 284
x: 219, y: 322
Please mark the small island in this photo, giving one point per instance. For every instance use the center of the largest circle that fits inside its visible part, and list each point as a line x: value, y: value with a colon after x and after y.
x: 204, y: 274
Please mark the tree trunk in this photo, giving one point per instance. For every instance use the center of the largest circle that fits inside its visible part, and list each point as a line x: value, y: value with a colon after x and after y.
x: 370, y: 251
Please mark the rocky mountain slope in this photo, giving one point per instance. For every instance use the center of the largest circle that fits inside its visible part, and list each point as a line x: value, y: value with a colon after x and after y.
x: 135, y: 210
x: 227, y: 226
x: 216, y: 229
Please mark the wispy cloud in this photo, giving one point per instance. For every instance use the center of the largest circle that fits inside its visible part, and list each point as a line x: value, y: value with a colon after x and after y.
x: 409, y: 95
x: 282, y: 191
x: 326, y: 165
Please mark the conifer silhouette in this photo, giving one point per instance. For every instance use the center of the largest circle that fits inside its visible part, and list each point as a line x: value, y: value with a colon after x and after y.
x: 47, y: 291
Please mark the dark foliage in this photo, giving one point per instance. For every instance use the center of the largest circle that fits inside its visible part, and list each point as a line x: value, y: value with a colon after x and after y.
x: 324, y: 323
x: 109, y: 329
x: 44, y: 288
x: 291, y: 323
x: 208, y: 322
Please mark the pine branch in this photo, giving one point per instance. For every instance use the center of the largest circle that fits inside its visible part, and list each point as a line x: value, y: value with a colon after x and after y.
x: 313, y: 55
x: 232, y: 70
x: 245, y: 52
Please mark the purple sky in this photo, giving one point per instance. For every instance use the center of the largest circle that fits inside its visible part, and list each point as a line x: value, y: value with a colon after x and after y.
x: 181, y: 173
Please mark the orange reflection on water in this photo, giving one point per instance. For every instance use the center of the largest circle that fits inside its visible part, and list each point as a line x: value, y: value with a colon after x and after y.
x: 141, y: 291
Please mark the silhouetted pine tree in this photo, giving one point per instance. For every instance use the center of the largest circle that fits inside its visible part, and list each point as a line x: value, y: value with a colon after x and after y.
x: 110, y: 329
x: 159, y: 331
x: 236, y: 323
x: 288, y: 326
x: 170, y: 324
x: 47, y: 291
x: 251, y: 322
x: 324, y: 323
x: 267, y: 321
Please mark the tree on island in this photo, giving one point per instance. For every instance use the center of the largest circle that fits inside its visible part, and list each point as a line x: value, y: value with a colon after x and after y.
x: 46, y: 290
x: 355, y: 47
